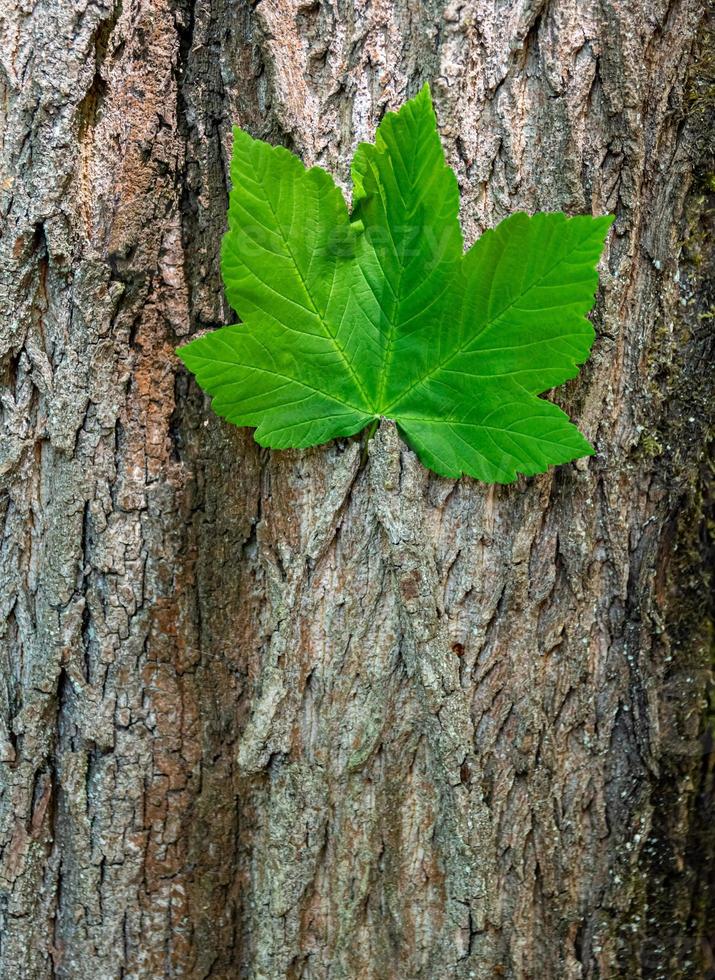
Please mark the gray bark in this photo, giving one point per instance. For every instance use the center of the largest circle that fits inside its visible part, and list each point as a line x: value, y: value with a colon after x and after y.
x: 280, y: 714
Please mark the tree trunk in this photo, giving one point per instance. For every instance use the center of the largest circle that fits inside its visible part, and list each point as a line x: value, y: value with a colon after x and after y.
x: 286, y: 714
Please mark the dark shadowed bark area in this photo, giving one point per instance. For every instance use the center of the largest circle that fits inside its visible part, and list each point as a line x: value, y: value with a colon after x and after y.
x: 284, y: 714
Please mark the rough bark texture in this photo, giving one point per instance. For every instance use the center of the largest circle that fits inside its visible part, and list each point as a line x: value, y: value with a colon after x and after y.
x: 282, y: 714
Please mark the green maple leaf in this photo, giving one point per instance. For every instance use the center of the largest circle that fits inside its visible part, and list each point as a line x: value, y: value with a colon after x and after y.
x: 348, y: 318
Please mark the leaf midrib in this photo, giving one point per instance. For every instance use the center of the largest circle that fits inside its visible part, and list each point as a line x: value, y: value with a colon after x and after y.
x: 397, y: 298
x: 489, y: 323
x: 294, y: 381
x: 340, y: 349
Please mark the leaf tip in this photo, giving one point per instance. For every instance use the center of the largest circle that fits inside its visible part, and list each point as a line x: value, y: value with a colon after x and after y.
x: 605, y: 221
x: 588, y: 449
x: 425, y: 92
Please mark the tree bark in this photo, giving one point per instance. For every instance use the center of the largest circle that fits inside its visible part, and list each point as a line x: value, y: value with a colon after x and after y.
x: 296, y: 714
